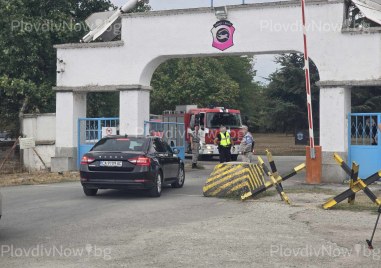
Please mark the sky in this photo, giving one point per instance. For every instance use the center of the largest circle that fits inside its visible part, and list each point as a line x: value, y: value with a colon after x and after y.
x: 264, y: 65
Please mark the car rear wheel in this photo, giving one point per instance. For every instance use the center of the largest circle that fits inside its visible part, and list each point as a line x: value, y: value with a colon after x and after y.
x: 234, y: 157
x: 156, y: 190
x: 90, y: 192
x: 180, y: 179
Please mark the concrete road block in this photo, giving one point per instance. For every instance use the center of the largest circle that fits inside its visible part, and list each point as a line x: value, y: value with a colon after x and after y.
x: 233, y: 179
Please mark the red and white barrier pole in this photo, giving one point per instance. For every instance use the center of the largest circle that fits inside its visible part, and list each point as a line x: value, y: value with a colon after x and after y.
x: 308, y: 83
x: 313, y: 153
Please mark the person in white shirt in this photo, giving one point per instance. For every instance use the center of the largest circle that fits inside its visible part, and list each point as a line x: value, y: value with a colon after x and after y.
x: 195, y: 138
x: 246, y: 148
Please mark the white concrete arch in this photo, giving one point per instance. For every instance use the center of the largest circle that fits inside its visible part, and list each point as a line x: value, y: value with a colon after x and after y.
x: 151, y: 67
x: 343, y: 57
x: 260, y: 28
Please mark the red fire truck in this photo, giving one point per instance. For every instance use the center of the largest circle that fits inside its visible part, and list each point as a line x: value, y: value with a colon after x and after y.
x: 209, y: 120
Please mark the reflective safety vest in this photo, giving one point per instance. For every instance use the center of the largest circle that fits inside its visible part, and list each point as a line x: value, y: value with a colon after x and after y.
x: 225, y: 140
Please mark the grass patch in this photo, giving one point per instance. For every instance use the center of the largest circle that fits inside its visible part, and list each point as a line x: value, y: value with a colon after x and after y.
x: 237, y: 195
x: 278, y: 144
x: 300, y: 190
x: 311, y: 190
x: 362, y: 203
x: 37, y: 178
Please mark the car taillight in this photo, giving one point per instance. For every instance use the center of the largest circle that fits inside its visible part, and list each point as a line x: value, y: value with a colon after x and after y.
x: 141, y: 161
x: 87, y: 160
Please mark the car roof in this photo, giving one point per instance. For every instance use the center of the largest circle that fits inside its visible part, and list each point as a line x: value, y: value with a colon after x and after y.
x: 126, y: 137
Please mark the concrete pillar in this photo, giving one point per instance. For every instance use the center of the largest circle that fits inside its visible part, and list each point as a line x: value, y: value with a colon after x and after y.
x: 335, y: 104
x: 69, y: 107
x: 134, y: 109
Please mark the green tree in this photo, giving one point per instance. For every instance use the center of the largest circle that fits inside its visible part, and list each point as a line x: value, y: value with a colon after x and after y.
x: 251, y: 100
x: 286, y: 94
x: 29, y: 29
x: 366, y: 99
x: 200, y: 81
x: 103, y: 104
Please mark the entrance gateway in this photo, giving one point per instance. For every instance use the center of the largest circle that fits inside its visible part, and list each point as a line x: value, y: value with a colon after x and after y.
x: 127, y: 65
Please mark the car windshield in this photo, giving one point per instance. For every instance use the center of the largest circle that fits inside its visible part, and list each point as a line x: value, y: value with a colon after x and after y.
x: 215, y: 120
x: 121, y: 145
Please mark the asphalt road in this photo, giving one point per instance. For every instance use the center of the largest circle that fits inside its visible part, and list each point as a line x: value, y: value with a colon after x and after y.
x: 57, y: 226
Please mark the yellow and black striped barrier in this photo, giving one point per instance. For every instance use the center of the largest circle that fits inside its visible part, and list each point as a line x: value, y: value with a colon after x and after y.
x: 356, y: 185
x: 274, y: 182
x: 275, y: 179
x: 233, y: 179
x: 274, y: 170
x: 354, y: 176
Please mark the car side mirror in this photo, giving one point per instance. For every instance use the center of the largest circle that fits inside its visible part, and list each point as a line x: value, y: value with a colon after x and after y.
x: 176, y: 151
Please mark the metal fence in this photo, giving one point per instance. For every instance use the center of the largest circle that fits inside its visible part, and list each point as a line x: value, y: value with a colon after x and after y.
x: 91, y: 130
x: 364, y: 128
x: 171, y: 132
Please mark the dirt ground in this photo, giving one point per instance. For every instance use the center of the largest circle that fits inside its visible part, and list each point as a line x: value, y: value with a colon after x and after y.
x: 37, y: 178
x: 278, y: 144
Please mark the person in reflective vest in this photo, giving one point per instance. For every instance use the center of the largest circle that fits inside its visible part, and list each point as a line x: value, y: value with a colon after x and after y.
x: 224, y: 142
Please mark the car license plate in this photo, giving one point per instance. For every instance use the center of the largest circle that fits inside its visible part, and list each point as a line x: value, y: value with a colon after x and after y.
x: 111, y: 163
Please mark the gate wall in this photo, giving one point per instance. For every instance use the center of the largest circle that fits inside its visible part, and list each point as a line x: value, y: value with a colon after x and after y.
x: 365, y: 142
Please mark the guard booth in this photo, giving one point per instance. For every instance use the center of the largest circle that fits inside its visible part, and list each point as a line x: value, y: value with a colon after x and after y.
x: 365, y: 142
x: 91, y: 130
x: 171, y: 132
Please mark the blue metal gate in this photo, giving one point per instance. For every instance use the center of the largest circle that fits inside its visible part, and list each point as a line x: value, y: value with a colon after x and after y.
x: 365, y: 142
x: 171, y: 132
x: 91, y: 130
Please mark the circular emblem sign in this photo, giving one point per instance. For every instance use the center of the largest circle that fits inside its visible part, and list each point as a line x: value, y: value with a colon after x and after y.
x: 223, y: 35
x: 223, y: 32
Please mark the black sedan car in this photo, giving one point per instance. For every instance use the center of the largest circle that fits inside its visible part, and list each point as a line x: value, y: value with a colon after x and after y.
x: 121, y: 162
